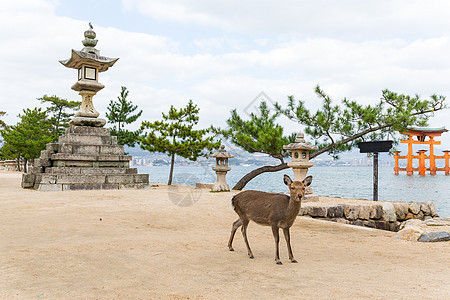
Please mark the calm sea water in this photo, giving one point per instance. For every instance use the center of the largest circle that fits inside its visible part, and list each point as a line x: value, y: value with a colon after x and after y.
x: 347, y: 182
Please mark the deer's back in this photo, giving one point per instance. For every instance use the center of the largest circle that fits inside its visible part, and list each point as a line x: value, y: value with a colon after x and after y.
x: 262, y: 207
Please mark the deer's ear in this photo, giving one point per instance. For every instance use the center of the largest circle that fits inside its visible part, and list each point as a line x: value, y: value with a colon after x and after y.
x: 287, y: 180
x: 307, y: 181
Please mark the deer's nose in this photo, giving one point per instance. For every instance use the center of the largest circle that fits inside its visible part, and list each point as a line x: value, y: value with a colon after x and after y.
x: 300, y: 196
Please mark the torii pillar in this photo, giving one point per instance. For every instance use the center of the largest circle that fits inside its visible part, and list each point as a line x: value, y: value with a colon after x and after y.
x: 421, y: 134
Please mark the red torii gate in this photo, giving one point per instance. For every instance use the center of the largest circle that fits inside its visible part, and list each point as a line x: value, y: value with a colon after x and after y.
x: 422, y: 134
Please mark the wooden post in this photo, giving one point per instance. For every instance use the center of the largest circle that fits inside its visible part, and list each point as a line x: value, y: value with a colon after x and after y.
x: 375, y: 176
x: 422, y: 167
x: 396, y: 157
x: 432, y: 158
x: 446, y: 158
x: 409, y: 157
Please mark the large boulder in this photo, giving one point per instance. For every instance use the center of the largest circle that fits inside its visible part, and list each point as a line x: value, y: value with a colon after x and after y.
x: 364, y: 212
x: 388, y: 212
x: 414, y: 207
x: 425, y: 208
x: 318, y: 211
x: 377, y: 212
x: 304, y: 210
x: 437, y: 222
x: 401, y: 210
x: 383, y: 225
x: 351, y: 212
x: 409, y: 216
x: 409, y: 234
x: 439, y: 236
x: 357, y: 223
x: 432, y: 209
x: 369, y: 223
x: 419, y: 216
x: 335, y: 211
x: 412, y: 223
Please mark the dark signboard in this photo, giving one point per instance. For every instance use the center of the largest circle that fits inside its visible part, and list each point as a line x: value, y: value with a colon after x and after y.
x: 373, y: 147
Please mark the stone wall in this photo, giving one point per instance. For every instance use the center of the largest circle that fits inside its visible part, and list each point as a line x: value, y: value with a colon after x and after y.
x: 380, y: 215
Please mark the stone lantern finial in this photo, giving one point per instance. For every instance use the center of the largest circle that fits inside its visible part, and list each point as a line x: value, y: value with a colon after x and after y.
x: 300, y: 137
x: 89, y: 41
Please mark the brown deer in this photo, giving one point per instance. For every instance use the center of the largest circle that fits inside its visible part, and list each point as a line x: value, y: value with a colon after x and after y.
x: 269, y: 209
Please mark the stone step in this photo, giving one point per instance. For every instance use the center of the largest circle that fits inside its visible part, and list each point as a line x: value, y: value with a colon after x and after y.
x: 90, y: 164
x: 90, y: 186
x: 85, y: 171
x: 70, y: 148
x: 74, y: 138
x: 91, y: 179
x: 81, y: 157
x: 86, y: 130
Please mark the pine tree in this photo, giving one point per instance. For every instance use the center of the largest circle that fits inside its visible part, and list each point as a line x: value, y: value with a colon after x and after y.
x: 57, y: 113
x: 175, y: 135
x: 259, y: 134
x: 27, y: 138
x: 335, y: 128
x: 2, y: 123
x: 5, y: 152
x: 119, y: 114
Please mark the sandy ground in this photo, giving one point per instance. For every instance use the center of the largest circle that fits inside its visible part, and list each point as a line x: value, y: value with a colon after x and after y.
x: 147, y: 245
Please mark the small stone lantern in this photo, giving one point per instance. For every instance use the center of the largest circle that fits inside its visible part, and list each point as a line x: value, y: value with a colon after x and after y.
x: 300, y: 161
x: 221, y: 169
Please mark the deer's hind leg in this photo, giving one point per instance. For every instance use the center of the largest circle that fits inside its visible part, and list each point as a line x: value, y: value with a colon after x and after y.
x: 244, y: 234
x: 235, y: 226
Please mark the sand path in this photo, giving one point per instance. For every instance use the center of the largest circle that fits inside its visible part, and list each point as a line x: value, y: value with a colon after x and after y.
x: 141, y: 245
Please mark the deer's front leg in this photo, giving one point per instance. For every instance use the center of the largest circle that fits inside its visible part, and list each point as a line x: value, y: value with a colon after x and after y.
x: 276, y: 236
x: 287, y: 237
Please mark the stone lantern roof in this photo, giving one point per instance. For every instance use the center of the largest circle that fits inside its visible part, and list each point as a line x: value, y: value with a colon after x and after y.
x: 300, y: 144
x: 222, y: 153
x: 89, y: 55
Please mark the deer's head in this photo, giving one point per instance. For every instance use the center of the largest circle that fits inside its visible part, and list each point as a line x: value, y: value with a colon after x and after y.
x: 297, y: 188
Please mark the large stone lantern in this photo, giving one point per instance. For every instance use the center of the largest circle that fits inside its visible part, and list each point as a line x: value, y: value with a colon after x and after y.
x: 89, y: 64
x: 300, y: 161
x: 86, y: 157
x: 221, y: 169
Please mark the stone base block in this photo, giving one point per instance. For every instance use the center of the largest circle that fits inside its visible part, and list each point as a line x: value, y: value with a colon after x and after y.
x: 90, y: 186
x: 28, y: 181
x: 87, y: 171
x: 134, y: 186
x: 48, y: 187
x: 86, y: 158
x: 85, y: 121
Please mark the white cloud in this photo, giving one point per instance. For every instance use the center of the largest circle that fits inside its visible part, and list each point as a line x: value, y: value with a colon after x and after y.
x: 341, y: 19
x: 159, y: 72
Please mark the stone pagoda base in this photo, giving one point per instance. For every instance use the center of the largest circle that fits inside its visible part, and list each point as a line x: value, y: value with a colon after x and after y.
x: 85, y: 158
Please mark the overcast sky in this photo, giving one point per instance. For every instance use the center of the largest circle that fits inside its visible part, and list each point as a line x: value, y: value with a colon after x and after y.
x: 223, y: 54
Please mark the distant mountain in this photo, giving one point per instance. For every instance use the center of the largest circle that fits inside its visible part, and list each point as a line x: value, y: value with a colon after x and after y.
x: 136, y: 151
